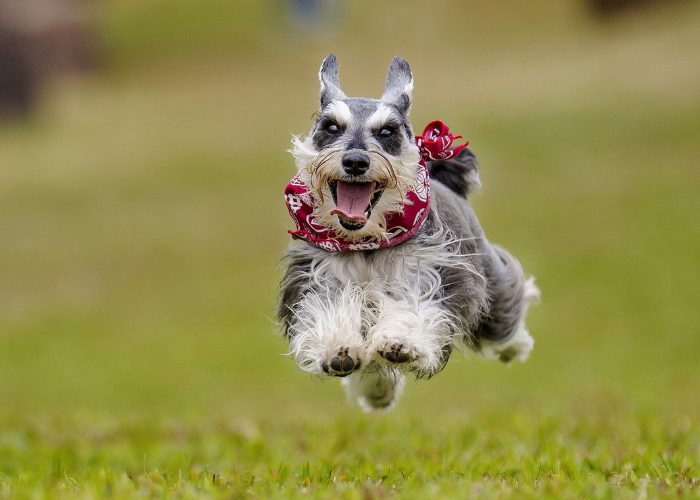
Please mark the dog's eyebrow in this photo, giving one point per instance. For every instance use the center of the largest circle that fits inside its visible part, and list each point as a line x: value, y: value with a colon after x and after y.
x: 339, y: 111
x: 383, y: 115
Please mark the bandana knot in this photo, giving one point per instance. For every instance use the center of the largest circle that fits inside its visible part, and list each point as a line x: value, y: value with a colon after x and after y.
x: 435, y: 141
x: 434, y: 144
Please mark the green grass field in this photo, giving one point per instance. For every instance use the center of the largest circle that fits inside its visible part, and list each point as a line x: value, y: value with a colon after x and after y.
x: 142, y: 224
x: 352, y: 457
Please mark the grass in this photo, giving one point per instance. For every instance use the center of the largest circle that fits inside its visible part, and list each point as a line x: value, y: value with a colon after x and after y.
x: 142, y: 223
x: 352, y: 457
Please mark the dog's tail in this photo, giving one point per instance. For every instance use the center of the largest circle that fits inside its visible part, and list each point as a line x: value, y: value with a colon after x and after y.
x: 460, y: 174
x: 377, y: 388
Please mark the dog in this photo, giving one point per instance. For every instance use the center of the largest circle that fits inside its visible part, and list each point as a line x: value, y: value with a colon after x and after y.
x: 390, y: 270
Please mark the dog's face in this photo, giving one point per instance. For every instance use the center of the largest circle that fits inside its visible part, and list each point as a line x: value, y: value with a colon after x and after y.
x: 359, y: 159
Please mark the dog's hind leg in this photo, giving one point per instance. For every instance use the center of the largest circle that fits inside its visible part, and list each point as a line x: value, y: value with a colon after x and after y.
x: 376, y: 388
x: 503, y: 334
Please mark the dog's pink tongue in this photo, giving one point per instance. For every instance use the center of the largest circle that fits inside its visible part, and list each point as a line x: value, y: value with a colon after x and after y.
x: 352, y: 199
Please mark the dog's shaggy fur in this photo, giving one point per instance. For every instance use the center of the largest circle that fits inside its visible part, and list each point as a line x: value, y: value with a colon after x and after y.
x: 374, y: 315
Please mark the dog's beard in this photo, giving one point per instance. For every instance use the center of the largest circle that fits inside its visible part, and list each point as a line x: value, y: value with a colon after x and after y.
x: 388, y: 182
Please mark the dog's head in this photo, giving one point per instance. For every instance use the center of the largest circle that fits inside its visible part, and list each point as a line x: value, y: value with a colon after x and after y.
x: 360, y: 159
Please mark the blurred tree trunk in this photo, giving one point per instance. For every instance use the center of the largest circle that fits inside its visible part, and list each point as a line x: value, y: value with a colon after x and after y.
x: 611, y: 8
x: 39, y: 38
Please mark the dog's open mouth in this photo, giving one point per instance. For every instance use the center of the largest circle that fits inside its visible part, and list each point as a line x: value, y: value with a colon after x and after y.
x: 354, y: 202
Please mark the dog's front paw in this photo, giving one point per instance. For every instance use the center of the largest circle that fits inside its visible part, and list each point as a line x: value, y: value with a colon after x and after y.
x: 397, y: 352
x: 422, y: 359
x: 342, y: 364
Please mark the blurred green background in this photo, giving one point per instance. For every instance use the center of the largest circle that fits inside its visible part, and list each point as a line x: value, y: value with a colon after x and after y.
x: 142, y: 220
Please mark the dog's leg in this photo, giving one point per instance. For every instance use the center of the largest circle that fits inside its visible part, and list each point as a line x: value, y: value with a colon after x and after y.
x: 411, y: 333
x: 376, y: 388
x: 326, y: 330
x: 503, y: 334
x: 321, y: 318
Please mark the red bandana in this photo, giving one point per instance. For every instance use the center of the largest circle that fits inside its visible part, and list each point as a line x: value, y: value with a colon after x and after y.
x: 434, y: 144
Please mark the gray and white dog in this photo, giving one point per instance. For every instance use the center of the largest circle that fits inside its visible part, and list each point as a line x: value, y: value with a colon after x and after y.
x: 372, y: 316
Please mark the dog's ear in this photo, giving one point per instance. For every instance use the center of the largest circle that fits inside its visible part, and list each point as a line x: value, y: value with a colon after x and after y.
x: 330, y: 84
x: 399, y: 85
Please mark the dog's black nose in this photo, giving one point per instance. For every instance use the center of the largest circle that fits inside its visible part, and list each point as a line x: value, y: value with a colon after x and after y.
x: 355, y: 162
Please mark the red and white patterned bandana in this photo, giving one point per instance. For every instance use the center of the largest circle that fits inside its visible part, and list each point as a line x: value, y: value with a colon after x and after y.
x: 434, y: 144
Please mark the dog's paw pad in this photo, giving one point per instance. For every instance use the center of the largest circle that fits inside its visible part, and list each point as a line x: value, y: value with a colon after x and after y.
x: 507, y: 355
x: 396, y: 353
x: 342, y: 364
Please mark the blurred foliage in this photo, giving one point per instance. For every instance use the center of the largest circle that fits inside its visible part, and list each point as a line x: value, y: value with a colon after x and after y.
x: 138, y: 32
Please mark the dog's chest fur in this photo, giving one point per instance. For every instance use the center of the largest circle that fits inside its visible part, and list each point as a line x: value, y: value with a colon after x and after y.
x: 385, y: 266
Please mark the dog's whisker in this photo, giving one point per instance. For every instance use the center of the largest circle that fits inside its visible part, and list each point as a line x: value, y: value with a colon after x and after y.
x: 389, y: 167
x: 315, y: 168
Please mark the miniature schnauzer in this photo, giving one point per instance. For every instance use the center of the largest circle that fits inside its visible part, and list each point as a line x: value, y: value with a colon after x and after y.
x: 391, y: 270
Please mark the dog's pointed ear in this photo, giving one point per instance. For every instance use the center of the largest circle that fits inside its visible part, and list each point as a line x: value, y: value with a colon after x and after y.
x: 399, y: 85
x: 330, y: 84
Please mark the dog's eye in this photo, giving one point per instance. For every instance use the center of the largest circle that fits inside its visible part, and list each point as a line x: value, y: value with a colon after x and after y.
x: 385, y: 132
x: 332, y: 128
